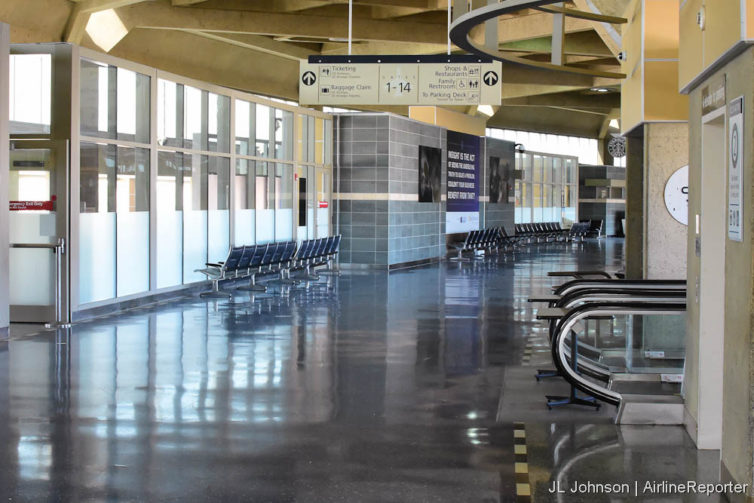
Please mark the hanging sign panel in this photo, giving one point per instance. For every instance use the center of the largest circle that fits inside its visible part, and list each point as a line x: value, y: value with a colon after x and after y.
x: 462, y: 210
x: 417, y: 83
x: 735, y: 168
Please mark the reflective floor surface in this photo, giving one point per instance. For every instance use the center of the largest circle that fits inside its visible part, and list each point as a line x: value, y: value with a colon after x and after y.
x: 367, y: 387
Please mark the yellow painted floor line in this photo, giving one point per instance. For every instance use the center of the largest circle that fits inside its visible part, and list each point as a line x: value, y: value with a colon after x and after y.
x: 521, y: 464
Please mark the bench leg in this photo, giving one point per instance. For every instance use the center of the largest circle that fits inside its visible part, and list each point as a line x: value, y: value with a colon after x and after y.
x: 252, y: 286
x: 216, y: 292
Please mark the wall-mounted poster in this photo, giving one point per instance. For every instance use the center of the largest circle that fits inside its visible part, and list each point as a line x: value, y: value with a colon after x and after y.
x: 501, y: 180
x: 430, y: 159
x: 463, y: 183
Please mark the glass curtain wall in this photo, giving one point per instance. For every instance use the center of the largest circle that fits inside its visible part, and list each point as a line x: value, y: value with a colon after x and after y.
x: 114, y: 201
x: 141, y: 231
x: 547, y: 188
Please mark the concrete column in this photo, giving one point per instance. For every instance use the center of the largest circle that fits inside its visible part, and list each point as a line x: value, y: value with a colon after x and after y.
x: 634, y: 245
x: 666, y: 150
x: 4, y: 174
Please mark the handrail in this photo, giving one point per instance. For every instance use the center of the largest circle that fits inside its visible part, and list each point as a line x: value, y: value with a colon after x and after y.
x: 650, y: 284
x: 589, y: 366
x: 566, y: 324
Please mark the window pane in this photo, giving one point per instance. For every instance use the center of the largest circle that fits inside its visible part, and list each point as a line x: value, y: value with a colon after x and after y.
x: 310, y: 146
x: 194, y: 216
x: 218, y: 123
x: 244, y: 202
x: 98, y: 104
x: 283, y: 202
x: 323, y: 194
x: 262, y: 131
x: 218, y: 203
x: 133, y: 106
x: 97, y: 222
x: 265, y: 212
x: 169, y: 113
x: 328, y: 142
x: 244, y: 127
x: 169, y: 219
x: 319, y: 140
x: 283, y: 135
x: 30, y: 93
x: 114, y: 102
x: 547, y: 169
x: 192, y: 113
x: 537, y: 169
x: 132, y: 231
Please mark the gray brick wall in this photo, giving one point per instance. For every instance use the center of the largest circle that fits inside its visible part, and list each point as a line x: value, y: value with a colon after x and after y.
x: 381, y: 219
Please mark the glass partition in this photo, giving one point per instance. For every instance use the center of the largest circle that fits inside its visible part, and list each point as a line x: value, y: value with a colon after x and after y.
x: 218, y: 203
x: 244, y: 189
x: 169, y: 219
x: 132, y: 221
x: 283, y: 202
x: 194, y: 216
x: 97, y: 269
x: 204, y: 187
x: 30, y: 93
x: 264, y: 204
x: 547, y: 188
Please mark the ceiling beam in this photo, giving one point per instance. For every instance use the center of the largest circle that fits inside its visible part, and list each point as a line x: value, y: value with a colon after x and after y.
x: 162, y: 16
x: 211, y: 61
x: 76, y: 25
x: 259, y: 43
x: 570, y: 100
x: 609, y: 34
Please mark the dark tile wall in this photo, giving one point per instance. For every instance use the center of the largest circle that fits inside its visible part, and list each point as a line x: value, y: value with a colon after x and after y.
x: 362, y: 178
x: 611, y: 213
x: 496, y: 214
x: 381, y: 219
x: 417, y: 230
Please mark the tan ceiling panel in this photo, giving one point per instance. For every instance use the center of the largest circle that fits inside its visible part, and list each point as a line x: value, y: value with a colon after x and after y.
x: 157, y: 15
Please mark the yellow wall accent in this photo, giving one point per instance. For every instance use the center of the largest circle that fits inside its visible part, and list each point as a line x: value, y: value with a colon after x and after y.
x: 690, y: 50
x: 723, y: 28
x: 660, y: 33
x: 651, y: 43
x: 455, y: 121
x: 662, y: 101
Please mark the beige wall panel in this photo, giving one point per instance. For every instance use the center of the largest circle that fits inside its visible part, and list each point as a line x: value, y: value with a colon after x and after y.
x: 722, y: 29
x: 738, y: 382
x: 738, y: 437
x: 693, y: 264
x: 690, y: 51
x: 660, y: 36
x: 631, y: 110
x: 750, y: 19
x: 631, y: 37
x: 662, y: 101
x: 667, y: 149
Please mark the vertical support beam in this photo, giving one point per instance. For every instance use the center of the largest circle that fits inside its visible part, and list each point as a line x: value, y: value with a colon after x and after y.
x: 4, y: 174
x: 154, y: 166
x: 490, y: 31
x: 460, y: 7
x: 558, y: 37
x: 634, y: 244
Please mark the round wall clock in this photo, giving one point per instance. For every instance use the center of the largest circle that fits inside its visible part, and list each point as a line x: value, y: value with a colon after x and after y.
x: 677, y: 195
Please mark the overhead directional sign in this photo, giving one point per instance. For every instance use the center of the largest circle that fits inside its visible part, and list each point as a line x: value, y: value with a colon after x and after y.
x: 400, y: 83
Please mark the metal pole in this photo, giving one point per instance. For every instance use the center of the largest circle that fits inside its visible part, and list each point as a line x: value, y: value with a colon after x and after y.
x: 350, y: 24
x: 449, y: 9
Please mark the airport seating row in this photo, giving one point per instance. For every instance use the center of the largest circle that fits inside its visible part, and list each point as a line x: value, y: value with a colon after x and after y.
x: 249, y: 262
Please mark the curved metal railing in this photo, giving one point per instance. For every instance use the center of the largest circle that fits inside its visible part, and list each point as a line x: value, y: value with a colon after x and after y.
x: 562, y: 335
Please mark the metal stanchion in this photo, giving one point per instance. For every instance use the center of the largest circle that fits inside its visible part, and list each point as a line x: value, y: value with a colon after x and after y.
x: 60, y: 321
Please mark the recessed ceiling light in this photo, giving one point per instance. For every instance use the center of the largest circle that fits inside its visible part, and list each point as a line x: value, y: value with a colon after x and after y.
x: 106, y: 29
x: 600, y: 90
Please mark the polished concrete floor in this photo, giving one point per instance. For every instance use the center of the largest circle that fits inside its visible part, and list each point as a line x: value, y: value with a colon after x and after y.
x: 370, y: 388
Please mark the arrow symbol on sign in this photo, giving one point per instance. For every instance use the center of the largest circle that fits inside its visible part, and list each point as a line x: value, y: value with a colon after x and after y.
x: 308, y: 78
x: 490, y: 78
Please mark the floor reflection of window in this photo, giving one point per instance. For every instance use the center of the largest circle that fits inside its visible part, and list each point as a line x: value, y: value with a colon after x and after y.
x: 34, y: 458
